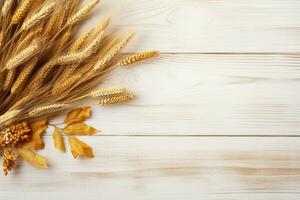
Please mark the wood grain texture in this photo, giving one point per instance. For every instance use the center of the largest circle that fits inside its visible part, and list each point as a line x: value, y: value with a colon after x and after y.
x: 206, y: 95
x: 164, y: 168
x: 213, y: 80
x: 207, y: 25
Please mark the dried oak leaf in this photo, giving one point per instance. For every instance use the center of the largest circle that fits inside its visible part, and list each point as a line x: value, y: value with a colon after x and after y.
x: 58, y: 140
x: 79, y: 129
x: 78, y: 115
x: 79, y: 148
x: 33, y: 158
x: 37, y: 130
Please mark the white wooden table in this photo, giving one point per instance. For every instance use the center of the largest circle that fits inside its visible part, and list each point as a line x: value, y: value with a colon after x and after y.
x: 218, y: 114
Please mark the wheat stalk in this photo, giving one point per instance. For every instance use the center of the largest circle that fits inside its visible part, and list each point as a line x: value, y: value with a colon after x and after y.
x: 21, y: 11
x: 38, y: 17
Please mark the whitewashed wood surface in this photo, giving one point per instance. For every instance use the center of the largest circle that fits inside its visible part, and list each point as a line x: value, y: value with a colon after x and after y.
x: 217, y: 115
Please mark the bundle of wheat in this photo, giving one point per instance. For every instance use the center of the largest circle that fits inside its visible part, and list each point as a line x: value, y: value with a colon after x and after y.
x: 45, y: 70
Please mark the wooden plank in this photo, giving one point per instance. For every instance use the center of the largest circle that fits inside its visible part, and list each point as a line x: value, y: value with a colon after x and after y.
x: 206, y: 95
x: 207, y: 26
x: 165, y: 168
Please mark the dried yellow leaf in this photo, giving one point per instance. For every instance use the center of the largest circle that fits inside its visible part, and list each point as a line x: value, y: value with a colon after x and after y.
x: 37, y: 130
x: 79, y: 129
x: 33, y: 158
x: 58, y: 140
x: 78, y: 115
x: 79, y: 148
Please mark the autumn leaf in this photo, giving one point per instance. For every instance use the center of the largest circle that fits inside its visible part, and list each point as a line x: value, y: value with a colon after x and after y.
x: 58, y: 140
x: 78, y: 115
x: 33, y: 158
x: 79, y: 129
x: 79, y: 148
x: 37, y: 129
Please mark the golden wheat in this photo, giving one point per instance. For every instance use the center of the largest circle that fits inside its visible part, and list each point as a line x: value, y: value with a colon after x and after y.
x: 9, y: 115
x: 114, y: 50
x: 94, y: 45
x: 102, y: 26
x: 45, y: 109
x: 78, y: 16
x: 116, y: 99
x: 38, y: 17
x: 66, y: 13
x: 107, y: 92
x: 1, y: 39
x: 63, y: 42
x: 23, y: 56
x: 81, y: 40
x: 137, y: 58
x: 60, y: 88
x: 21, y: 11
x: 24, y: 75
x: 6, y: 7
x: 9, y: 79
x: 44, y: 71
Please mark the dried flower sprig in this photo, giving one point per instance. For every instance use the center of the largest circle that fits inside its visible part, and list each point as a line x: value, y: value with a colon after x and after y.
x: 45, y: 70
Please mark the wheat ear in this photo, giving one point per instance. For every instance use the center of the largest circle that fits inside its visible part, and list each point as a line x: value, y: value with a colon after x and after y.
x: 24, y: 75
x: 23, y: 56
x: 62, y: 43
x: 77, y: 57
x: 70, y: 58
x: 44, y: 72
x: 82, y: 13
x: 107, y: 92
x: 94, y: 45
x: 21, y: 11
x: 6, y: 7
x: 60, y: 88
x: 9, y: 79
x: 9, y: 115
x: 39, y: 110
x: 81, y: 40
x: 102, y: 26
x: 137, y: 58
x: 112, y: 53
x: 115, y: 100
x: 38, y: 17
x: 66, y: 13
x: 1, y: 39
